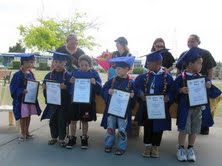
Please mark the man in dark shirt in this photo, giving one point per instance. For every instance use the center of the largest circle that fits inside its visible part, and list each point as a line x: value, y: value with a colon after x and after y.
x: 71, y: 48
x: 207, y: 66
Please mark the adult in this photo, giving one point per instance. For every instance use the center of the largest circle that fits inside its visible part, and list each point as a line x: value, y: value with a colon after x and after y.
x: 122, y: 50
x: 207, y: 66
x: 71, y: 48
x: 168, y: 58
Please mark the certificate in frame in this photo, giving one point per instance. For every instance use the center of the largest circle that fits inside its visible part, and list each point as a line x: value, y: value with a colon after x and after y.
x: 119, y: 103
x: 32, y: 87
x: 155, y: 106
x: 53, y: 92
x: 82, y: 91
x: 197, y: 92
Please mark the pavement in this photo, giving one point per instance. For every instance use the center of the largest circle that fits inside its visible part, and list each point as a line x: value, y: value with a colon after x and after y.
x: 36, y: 152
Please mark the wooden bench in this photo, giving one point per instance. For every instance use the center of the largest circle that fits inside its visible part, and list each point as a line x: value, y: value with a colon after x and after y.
x: 6, y: 103
x: 5, y: 75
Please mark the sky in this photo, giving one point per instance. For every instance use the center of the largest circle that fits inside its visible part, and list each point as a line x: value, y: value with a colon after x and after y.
x: 140, y: 21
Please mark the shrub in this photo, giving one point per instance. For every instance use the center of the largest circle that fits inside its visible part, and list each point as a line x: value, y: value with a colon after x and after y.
x: 43, y: 66
x: 138, y: 70
x: 15, y: 64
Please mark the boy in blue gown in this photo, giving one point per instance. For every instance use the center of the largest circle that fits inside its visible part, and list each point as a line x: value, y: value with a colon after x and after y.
x: 18, y: 90
x: 156, y: 81
x: 111, y: 122
x: 189, y: 119
x: 58, y: 114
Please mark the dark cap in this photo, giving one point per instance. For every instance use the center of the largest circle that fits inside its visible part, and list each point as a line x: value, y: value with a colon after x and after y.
x: 121, y: 41
x: 155, y: 56
x: 59, y: 56
x: 123, y: 61
x: 26, y: 56
x: 192, y: 54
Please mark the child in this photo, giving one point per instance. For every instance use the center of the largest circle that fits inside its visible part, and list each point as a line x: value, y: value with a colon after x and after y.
x: 21, y: 110
x: 110, y: 122
x: 58, y: 114
x: 189, y: 119
x: 83, y: 111
x: 156, y: 81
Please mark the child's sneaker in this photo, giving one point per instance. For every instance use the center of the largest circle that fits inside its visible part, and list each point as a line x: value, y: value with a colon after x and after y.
x: 84, y: 142
x: 191, y: 155
x: 155, y: 152
x: 181, y: 154
x: 147, y: 151
x: 62, y: 143
x: 71, y: 143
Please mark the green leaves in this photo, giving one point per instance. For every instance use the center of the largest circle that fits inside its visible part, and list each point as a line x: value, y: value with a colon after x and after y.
x: 51, y: 33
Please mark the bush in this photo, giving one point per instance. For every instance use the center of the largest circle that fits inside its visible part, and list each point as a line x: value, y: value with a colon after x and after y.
x: 15, y: 64
x: 43, y: 66
x: 138, y: 70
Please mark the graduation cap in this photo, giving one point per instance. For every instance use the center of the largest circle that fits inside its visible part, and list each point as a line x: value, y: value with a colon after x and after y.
x: 26, y: 56
x: 123, y: 61
x: 155, y: 56
x: 121, y: 40
x: 59, y: 56
x: 192, y: 54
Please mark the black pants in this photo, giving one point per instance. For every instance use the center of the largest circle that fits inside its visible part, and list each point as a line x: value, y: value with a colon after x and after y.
x: 149, y: 136
x: 57, y: 123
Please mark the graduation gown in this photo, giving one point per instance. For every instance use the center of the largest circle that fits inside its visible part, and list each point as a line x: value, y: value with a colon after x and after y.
x: 158, y: 81
x: 78, y: 110
x: 183, y: 106
x: 121, y: 84
x: 17, y: 86
x: 65, y: 97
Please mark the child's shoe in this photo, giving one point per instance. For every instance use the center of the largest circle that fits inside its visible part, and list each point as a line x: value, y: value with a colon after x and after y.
x: 181, y: 154
x: 84, y: 142
x: 155, y: 152
x: 62, y: 143
x: 147, y: 151
x: 52, y: 141
x: 71, y: 143
x: 191, y: 155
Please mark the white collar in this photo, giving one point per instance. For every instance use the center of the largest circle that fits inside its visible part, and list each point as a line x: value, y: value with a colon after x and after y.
x: 191, y: 74
x: 161, y: 71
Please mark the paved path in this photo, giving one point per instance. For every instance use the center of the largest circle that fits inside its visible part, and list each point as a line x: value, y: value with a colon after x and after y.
x: 36, y: 152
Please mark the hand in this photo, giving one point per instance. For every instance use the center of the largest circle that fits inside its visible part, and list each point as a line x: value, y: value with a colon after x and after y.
x: 132, y: 94
x: 62, y: 86
x: 184, y: 90
x: 169, y: 70
x: 93, y: 81
x: 166, y: 99
x: 110, y: 91
x: 72, y: 80
x: 142, y: 96
x: 208, y: 84
x: 43, y: 86
x: 25, y: 91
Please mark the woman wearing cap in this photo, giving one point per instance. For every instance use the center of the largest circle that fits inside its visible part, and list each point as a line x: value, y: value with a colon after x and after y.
x: 71, y: 48
x: 122, y: 50
x: 207, y: 66
x: 168, y: 58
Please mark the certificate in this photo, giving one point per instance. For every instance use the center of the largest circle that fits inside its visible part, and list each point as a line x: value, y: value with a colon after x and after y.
x: 197, y: 92
x: 32, y: 87
x: 53, y: 93
x: 82, y: 91
x: 155, y: 107
x: 119, y: 103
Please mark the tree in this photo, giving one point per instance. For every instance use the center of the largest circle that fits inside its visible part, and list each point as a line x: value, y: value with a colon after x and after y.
x: 17, y: 48
x: 51, y: 33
